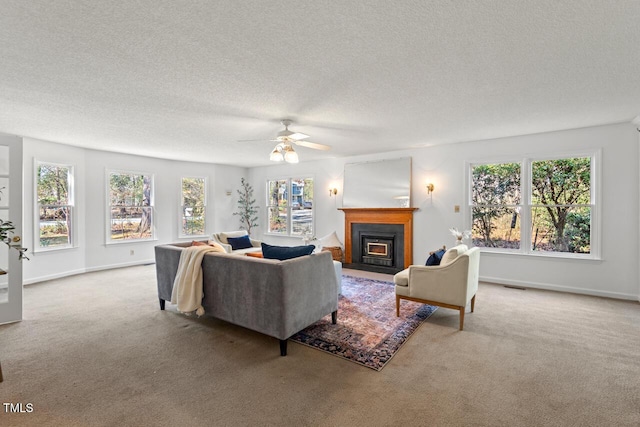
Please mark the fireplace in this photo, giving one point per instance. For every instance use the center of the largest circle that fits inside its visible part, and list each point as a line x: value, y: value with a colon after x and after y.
x: 378, y: 240
x: 377, y: 247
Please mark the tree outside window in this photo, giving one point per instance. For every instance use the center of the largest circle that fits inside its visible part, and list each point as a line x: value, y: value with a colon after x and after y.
x: 193, y: 206
x: 495, y: 198
x: 130, y: 206
x: 290, y: 206
x: 54, y: 189
x: 559, y: 212
x: 561, y: 205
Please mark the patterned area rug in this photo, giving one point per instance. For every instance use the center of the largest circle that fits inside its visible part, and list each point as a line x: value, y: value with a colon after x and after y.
x: 368, y: 331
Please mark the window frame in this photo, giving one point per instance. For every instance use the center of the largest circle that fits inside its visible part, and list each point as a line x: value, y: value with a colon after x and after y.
x: 181, y: 234
x: 526, y: 206
x: 289, y: 180
x: 71, y: 206
x: 108, y: 239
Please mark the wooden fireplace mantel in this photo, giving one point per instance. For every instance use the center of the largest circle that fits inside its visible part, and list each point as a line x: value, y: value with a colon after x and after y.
x: 402, y: 216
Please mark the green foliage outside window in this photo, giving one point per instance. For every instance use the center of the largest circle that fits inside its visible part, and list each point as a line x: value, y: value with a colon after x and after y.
x: 561, y: 199
x: 193, y: 206
x: 55, y: 208
x: 559, y: 214
x: 130, y: 206
x: 496, y: 198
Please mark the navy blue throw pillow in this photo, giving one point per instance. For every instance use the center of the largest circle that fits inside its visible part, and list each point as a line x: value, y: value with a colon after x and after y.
x: 436, y: 257
x: 239, y: 242
x: 285, y: 252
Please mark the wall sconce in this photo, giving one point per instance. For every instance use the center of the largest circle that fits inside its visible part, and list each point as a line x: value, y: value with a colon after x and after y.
x: 430, y: 188
x: 333, y: 191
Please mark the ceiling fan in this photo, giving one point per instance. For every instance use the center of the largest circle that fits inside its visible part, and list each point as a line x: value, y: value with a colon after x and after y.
x: 283, y: 151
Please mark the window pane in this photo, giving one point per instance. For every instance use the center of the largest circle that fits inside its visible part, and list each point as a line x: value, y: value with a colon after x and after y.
x: 130, y: 223
x: 193, y: 191
x: 55, y: 226
x: 497, y: 184
x: 193, y: 220
x: 278, y: 220
x: 53, y: 184
x: 277, y: 193
x: 561, y: 229
x: 561, y: 182
x: 129, y: 189
x: 302, y: 206
x: 496, y: 227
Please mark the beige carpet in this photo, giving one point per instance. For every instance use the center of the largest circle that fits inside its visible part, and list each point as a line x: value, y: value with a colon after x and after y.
x: 96, y: 350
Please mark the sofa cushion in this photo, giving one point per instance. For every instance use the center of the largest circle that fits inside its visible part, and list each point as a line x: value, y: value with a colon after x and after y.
x: 242, y: 242
x: 285, y: 252
x: 402, y: 278
x: 224, y: 236
x: 436, y: 257
x: 453, y: 253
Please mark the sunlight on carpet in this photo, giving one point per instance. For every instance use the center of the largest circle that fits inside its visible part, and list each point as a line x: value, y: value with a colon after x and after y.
x: 368, y: 331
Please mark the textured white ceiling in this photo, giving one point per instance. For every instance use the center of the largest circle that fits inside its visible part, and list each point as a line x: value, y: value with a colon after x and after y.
x: 187, y: 79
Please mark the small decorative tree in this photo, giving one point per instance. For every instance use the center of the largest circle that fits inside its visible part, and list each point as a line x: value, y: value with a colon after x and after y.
x: 247, y: 209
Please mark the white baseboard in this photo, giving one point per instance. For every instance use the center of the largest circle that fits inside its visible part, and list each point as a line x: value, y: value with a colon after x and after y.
x: 559, y: 288
x: 85, y: 270
x: 53, y: 276
x: 126, y: 264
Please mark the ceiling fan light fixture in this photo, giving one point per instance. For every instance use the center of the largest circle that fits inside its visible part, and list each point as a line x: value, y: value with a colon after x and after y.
x: 290, y: 156
x: 276, y: 154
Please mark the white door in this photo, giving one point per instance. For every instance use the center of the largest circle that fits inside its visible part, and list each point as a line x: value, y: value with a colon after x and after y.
x: 11, y: 210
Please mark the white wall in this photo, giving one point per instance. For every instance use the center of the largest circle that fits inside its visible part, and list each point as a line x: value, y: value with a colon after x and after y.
x: 92, y: 253
x: 615, y: 275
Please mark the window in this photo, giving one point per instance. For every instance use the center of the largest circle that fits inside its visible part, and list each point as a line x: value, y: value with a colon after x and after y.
x: 194, y: 205
x: 130, y: 206
x: 54, y: 206
x: 555, y: 217
x: 290, y: 206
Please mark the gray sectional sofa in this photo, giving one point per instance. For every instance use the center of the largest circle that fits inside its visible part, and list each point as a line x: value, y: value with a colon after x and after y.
x: 276, y: 298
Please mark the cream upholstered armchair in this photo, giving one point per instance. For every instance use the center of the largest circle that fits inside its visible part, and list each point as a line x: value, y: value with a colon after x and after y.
x: 452, y: 284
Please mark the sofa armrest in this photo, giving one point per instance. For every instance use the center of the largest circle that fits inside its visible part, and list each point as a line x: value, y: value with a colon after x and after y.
x: 225, y: 246
x: 167, y: 260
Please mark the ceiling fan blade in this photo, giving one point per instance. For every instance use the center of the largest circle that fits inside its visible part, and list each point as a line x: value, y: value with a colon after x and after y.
x: 313, y: 145
x: 298, y: 136
x: 253, y: 140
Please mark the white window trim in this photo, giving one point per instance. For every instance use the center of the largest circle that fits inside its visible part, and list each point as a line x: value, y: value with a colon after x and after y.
x: 36, y: 209
x: 181, y: 235
x: 290, y: 209
x: 525, y: 202
x: 108, y: 240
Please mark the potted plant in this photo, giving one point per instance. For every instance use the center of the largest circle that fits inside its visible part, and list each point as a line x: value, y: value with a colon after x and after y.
x: 247, y: 209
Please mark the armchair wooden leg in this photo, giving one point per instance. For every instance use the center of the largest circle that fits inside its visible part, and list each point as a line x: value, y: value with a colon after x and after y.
x: 461, y: 317
x: 397, y: 306
x: 473, y: 303
x: 1, y: 379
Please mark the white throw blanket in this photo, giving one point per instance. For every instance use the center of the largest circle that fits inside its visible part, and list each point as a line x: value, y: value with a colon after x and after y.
x: 187, y: 287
